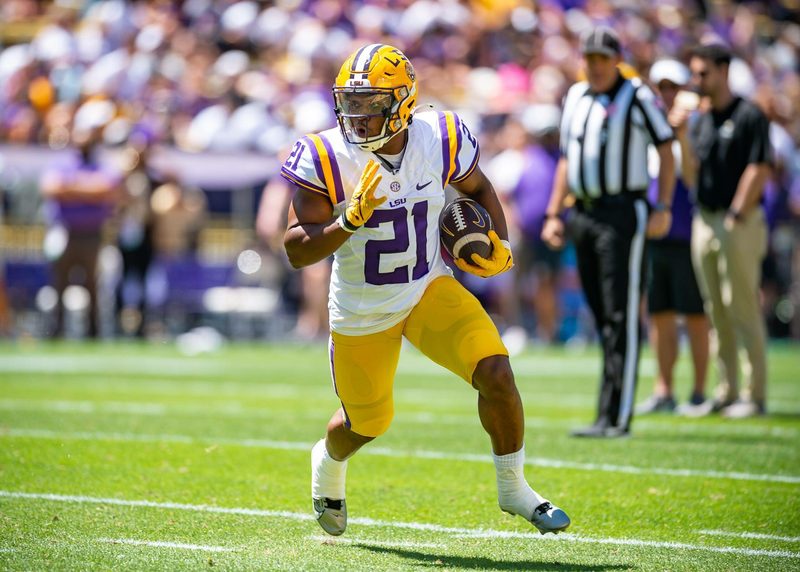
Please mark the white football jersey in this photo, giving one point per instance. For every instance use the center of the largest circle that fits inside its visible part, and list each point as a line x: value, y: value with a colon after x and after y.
x: 382, y: 270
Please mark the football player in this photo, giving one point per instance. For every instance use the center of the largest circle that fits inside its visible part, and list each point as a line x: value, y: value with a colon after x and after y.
x: 370, y: 192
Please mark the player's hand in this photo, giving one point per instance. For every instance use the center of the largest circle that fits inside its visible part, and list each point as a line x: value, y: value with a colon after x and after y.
x: 553, y: 232
x: 498, y: 262
x: 363, y: 202
x: 658, y: 224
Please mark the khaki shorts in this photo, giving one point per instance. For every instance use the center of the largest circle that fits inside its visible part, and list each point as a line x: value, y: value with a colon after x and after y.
x: 448, y: 325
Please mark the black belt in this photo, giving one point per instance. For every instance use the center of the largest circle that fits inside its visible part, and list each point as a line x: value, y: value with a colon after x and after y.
x: 714, y: 209
x: 585, y: 204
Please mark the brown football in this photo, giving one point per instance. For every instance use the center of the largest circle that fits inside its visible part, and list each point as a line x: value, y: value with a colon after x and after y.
x: 463, y: 227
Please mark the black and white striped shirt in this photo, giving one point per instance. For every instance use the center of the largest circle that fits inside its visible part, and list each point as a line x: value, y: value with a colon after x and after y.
x: 604, y: 137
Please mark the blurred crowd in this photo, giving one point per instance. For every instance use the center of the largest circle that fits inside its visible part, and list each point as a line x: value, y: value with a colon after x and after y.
x: 236, y: 76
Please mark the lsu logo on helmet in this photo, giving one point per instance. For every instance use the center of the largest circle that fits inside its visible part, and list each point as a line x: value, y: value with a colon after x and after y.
x: 375, y: 94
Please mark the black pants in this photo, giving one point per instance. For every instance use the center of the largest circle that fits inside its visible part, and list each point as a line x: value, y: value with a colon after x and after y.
x: 609, y: 236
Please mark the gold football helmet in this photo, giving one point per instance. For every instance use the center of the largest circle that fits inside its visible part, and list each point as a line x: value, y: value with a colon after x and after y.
x: 377, y: 81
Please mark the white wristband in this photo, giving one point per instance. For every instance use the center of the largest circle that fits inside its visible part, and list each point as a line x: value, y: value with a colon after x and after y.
x: 346, y: 226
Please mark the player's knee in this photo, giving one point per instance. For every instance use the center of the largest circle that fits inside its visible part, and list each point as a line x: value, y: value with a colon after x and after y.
x: 369, y: 427
x: 494, y: 377
x: 375, y: 427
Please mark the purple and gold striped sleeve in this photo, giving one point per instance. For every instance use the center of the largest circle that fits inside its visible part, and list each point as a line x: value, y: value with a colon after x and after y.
x: 460, y: 149
x: 312, y: 166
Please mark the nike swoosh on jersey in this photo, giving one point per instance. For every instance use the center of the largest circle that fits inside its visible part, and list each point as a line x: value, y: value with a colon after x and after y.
x: 420, y: 187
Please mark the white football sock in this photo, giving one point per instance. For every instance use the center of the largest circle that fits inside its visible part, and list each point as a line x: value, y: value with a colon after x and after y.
x: 327, y: 474
x: 514, y: 494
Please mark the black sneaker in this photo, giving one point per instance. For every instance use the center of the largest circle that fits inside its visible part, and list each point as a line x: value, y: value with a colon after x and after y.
x: 704, y: 408
x: 592, y: 431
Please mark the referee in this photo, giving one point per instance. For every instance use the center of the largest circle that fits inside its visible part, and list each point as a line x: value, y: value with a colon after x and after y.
x: 606, y: 126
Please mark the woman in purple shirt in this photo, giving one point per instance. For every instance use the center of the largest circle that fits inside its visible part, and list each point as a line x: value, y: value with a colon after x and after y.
x: 672, y: 286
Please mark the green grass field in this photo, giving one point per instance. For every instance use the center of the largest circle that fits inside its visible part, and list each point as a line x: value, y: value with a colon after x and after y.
x: 135, y: 457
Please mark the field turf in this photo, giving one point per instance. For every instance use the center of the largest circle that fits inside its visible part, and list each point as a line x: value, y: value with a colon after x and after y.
x: 135, y: 457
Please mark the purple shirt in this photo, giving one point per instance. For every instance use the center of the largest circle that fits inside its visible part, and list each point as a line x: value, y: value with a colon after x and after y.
x: 681, y: 229
x: 77, y: 216
x: 532, y: 192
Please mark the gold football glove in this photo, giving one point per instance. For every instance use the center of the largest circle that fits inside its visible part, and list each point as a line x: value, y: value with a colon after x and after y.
x: 363, y: 202
x: 498, y: 262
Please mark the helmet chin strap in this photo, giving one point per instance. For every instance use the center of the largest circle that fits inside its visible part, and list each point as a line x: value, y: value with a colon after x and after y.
x: 373, y: 145
x: 394, y: 169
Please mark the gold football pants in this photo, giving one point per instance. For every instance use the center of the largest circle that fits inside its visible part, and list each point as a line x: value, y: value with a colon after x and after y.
x: 448, y: 325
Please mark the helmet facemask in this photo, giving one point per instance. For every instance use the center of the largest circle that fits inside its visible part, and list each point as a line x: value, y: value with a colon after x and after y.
x: 358, y: 110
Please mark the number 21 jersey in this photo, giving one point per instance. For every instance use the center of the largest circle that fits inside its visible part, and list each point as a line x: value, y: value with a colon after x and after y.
x: 383, y: 269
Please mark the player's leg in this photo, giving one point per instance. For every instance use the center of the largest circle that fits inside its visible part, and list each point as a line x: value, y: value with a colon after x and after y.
x: 362, y: 370
x: 450, y: 327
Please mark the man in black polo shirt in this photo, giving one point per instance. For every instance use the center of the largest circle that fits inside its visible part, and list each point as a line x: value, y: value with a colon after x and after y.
x: 729, y: 234
x: 607, y: 123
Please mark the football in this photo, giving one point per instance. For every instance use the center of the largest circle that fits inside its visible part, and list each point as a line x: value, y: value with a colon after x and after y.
x: 464, y: 227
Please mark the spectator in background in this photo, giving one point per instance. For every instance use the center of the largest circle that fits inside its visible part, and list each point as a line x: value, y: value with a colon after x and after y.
x: 312, y: 318
x: 178, y: 215
x: 729, y: 233
x: 135, y: 236
x: 230, y: 75
x: 5, y: 312
x: 80, y: 196
x: 607, y: 123
x: 538, y: 266
x: 672, y: 287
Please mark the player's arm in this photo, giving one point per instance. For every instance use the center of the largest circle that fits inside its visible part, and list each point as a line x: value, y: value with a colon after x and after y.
x: 312, y: 233
x: 478, y: 187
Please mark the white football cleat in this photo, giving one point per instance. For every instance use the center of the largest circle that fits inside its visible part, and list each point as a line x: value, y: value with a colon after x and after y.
x: 549, y: 518
x: 331, y: 515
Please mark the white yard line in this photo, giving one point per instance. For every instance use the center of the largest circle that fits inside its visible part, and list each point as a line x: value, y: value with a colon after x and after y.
x: 239, y: 410
x: 165, y: 544
x: 169, y: 367
x: 411, y: 364
x: 754, y: 535
x: 387, y: 452
x: 364, y: 521
x: 383, y: 543
x: 80, y: 407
